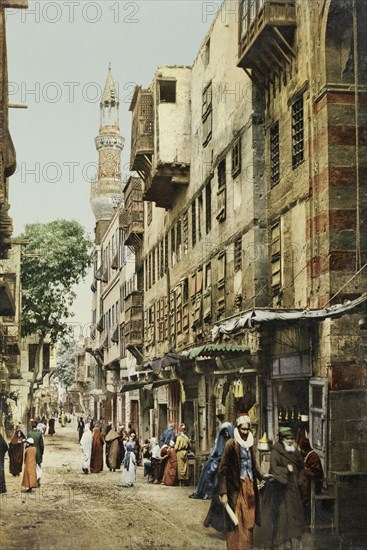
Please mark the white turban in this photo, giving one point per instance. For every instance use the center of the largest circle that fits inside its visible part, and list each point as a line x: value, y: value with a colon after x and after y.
x: 243, y: 419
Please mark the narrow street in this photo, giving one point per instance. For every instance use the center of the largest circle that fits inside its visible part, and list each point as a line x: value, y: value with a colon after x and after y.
x: 73, y: 511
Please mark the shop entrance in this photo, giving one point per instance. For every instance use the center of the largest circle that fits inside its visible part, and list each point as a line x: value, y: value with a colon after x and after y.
x: 291, y: 405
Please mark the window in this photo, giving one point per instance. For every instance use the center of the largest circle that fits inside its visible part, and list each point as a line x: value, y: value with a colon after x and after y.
x: 178, y: 240
x: 276, y: 281
x: 222, y: 173
x: 238, y: 255
x: 153, y: 266
x: 200, y: 215
x: 236, y: 158
x: 208, y: 206
x: 193, y: 223
x: 161, y: 258
x: 208, y: 276
x: 146, y: 274
x: 46, y: 358
x: 32, y: 348
x: 150, y: 271
x: 167, y: 91
x: 122, y: 255
x: 297, y: 133
x: 122, y: 340
x: 173, y: 246
x: 207, y: 114
x: 166, y: 253
x: 185, y: 227
x: 221, y: 287
x: 274, y: 154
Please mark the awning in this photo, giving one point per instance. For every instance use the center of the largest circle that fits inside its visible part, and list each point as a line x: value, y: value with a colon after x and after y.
x: 130, y: 386
x: 249, y: 319
x: 170, y: 359
x: 216, y: 350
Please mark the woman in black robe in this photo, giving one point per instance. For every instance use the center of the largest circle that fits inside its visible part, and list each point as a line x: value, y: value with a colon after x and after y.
x: 16, y: 452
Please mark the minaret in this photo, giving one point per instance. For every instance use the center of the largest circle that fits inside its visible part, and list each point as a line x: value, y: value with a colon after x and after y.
x: 106, y: 190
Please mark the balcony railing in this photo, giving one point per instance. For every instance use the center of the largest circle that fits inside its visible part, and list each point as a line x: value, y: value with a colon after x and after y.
x: 266, y: 37
x: 142, y: 130
x: 134, y: 333
x: 135, y: 211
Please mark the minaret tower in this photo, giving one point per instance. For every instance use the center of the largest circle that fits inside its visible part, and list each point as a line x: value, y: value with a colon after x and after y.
x: 106, y: 190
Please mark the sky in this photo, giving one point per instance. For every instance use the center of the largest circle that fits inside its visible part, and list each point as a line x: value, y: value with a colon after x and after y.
x: 58, y: 57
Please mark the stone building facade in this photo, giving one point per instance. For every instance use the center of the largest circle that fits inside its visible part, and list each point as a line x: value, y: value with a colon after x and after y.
x: 254, y: 250
x: 10, y: 376
x: 244, y: 236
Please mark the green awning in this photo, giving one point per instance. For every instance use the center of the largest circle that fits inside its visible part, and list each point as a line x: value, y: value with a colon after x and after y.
x: 216, y: 350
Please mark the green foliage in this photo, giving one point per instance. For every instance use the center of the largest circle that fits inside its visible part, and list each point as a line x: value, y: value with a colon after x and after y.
x: 66, y: 361
x: 55, y: 260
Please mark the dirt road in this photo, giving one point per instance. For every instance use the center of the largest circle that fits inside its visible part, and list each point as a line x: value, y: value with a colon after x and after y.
x: 73, y: 511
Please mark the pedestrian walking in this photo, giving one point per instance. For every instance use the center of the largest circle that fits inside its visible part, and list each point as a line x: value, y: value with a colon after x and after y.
x: 3, y: 451
x: 282, y: 509
x: 96, y: 463
x: 237, y: 474
x: 86, y: 448
x: 16, y: 452
x: 80, y: 427
x: 112, y: 450
x: 51, y: 426
x: 38, y: 442
x: 29, y: 480
x: 128, y: 477
x: 208, y: 479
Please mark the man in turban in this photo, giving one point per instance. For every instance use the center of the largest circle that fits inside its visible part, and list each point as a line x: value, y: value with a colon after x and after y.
x: 237, y: 475
x: 282, y: 510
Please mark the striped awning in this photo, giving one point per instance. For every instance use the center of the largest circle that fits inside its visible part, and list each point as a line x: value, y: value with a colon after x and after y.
x: 216, y: 350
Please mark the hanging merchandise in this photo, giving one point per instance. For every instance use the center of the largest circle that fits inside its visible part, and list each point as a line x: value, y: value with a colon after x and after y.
x: 183, y: 393
x: 230, y: 407
x: 225, y: 392
x: 240, y: 392
x: 254, y: 414
x: 235, y: 388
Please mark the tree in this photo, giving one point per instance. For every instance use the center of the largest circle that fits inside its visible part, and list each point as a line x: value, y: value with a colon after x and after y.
x: 56, y: 258
x: 66, y: 359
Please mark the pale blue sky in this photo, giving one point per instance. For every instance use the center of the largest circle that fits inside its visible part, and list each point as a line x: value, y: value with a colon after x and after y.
x: 58, y: 55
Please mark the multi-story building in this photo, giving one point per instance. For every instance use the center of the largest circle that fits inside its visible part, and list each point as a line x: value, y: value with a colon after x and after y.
x: 252, y: 162
x: 114, y: 274
x: 10, y: 384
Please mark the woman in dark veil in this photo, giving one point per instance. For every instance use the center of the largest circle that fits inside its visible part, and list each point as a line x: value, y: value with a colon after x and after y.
x: 216, y: 514
x: 208, y: 478
x: 16, y: 452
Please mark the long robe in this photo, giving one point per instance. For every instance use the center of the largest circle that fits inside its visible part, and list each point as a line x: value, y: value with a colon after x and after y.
x: 282, y: 515
x: 128, y: 477
x: 16, y: 451
x: 51, y: 426
x: 243, y: 497
x: 112, y: 449
x: 3, y: 450
x: 38, y: 443
x: 170, y: 470
x: 208, y: 479
x: 29, y: 475
x: 182, y: 445
x: 86, y: 447
x: 96, y: 463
